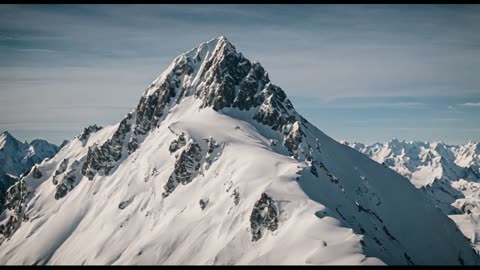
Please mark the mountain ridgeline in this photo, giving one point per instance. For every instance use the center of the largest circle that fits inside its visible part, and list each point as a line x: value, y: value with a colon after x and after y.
x: 215, y: 166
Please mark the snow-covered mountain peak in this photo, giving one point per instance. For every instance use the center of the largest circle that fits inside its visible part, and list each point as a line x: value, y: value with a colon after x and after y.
x: 7, y: 138
x: 468, y: 154
x: 215, y: 166
x: 222, y: 77
x: 189, y: 62
x: 5, y: 134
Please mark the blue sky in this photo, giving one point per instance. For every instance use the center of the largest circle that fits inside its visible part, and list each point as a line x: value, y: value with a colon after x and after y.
x: 358, y: 72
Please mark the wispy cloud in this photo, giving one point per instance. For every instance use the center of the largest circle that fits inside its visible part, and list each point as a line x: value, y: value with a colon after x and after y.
x: 36, y: 50
x: 383, y: 105
x: 471, y: 104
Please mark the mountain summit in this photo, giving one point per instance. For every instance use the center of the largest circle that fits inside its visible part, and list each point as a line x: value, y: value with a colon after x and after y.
x: 215, y: 166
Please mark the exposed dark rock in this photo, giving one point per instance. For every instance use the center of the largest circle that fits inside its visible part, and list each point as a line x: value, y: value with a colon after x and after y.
x: 105, y: 156
x: 178, y: 143
x: 65, y: 142
x: 186, y: 167
x: 87, y: 132
x: 60, y: 191
x: 408, y: 258
x: 276, y: 110
x: 211, y: 145
x: 293, y: 139
x: 332, y: 177
x: 231, y: 80
x: 467, y: 208
x: 124, y: 204
x: 377, y: 241
x: 15, y: 199
x: 225, y: 71
x: 132, y: 144
x: 313, y: 169
x: 27, y: 172
x: 36, y: 172
x: 203, y: 203
x: 361, y: 209
x: 68, y: 182
x: 209, y: 157
x: 264, y: 215
x: 338, y: 211
x: 61, y: 169
x: 387, y: 232
x: 236, y: 196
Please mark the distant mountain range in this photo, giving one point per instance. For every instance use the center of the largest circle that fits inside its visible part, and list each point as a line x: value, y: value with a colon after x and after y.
x: 18, y: 157
x: 449, y: 175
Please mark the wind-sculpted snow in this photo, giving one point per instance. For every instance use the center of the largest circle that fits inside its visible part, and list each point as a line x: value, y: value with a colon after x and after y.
x: 214, y: 166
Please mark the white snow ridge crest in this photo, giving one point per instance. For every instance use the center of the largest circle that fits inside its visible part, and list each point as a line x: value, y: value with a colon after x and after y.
x: 215, y: 166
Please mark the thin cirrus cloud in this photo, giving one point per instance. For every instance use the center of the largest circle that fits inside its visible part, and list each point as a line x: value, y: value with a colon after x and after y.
x: 471, y: 104
x: 349, y: 60
x: 36, y: 50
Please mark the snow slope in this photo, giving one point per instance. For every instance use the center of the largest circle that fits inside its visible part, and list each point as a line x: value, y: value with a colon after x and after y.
x: 215, y: 166
x: 448, y: 175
